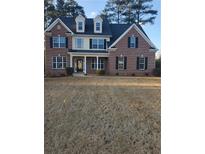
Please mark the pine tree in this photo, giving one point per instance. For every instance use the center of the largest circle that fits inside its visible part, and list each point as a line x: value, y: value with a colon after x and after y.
x: 140, y: 12
x: 73, y: 8
x: 129, y: 11
x: 114, y: 10
x: 60, y: 8
x: 49, y: 12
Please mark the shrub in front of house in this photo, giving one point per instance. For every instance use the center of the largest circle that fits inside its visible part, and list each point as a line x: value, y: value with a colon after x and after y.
x: 69, y: 70
x: 100, y: 72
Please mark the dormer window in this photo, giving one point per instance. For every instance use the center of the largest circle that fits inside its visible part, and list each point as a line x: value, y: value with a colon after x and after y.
x: 97, y: 24
x: 80, y: 23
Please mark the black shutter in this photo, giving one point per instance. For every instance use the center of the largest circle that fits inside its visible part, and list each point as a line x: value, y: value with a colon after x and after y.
x: 105, y: 43
x: 125, y: 63
x: 146, y: 62
x: 136, y: 42
x: 90, y: 43
x: 137, y: 63
x: 128, y: 42
x: 66, y: 41
x: 116, y: 66
x: 51, y: 42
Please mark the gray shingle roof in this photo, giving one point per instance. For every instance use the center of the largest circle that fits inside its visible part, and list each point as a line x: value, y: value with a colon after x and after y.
x: 114, y: 30
x: 89, y: 26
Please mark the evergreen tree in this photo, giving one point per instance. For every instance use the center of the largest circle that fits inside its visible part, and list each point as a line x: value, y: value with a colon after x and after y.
x: 60, y: 8
x: 73, y: 8
x: 140, y: 11
x: 114, y: 10
x: 49, y: 12
x: 129, y: 11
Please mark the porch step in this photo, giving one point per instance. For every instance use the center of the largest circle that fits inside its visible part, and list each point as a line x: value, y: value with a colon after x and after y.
x: 79, y: 74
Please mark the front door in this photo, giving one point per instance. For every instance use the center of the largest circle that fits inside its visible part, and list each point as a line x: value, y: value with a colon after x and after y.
x: 79, y: 65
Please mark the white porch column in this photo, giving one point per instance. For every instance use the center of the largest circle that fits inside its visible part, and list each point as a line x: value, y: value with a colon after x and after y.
x: 85, y: 64
x: 97, y: 62
x: 71, y: 60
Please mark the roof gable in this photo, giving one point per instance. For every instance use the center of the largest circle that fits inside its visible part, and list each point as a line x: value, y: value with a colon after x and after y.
x: 54, y: 23
x: 123, y: 32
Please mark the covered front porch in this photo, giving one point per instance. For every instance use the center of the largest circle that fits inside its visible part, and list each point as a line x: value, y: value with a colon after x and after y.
x: 88, y: 63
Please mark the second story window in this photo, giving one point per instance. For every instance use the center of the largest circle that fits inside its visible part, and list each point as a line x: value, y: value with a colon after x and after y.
x: 132, y: 42
x: 79, y: 42
x: 59, y: 42
x: 97, y: 26
x: 80, y: 25
x: 98, y: 44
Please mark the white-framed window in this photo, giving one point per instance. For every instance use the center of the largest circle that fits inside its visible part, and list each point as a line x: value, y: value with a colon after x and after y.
x: 80, y: 25
x: 121, y: 63
x: 59, y: 42
x: 79, y: 42
x: 97, y: 26
x: 97, y: 43
x: 58, y: 62
x: 141, y: 63
x: 132, y: 42
x: 101, y: 64
x: 94, y: 63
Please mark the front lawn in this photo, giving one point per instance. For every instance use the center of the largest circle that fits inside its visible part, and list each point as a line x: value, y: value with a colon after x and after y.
x: 91, y: 115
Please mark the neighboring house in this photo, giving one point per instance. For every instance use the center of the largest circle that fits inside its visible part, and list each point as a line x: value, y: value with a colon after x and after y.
x: 89, y: 45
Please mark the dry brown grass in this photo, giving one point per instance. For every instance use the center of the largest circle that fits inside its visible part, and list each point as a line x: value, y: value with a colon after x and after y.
x: 102, y: 115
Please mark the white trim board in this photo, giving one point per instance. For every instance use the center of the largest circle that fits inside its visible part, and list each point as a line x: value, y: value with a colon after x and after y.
x: 139, y: 31
x: 54, y: 23
x: 88, y: 54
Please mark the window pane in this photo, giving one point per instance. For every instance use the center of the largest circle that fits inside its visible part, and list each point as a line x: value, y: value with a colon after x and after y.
x: 59, y: 65
x: 55, y: 42
x: 101, y: 44
x: 54, y: 65
x: 59, y: 59
x: 141, y: 66
x: 80, y: 25
x: 79, y: 43
x: 132, y: 42
x: 55, y: 39
x: 97, y: 26
x: 54, y: 59
x: 120, y: 66
x: 62, y: 45
x: 141, y: 60
x: 64, y: 59
x: 94, y: 43
x: 62, y: 39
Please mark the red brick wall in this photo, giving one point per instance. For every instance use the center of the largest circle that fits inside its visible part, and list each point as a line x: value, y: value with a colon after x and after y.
x: 131, y: 54
x: 49, y: 52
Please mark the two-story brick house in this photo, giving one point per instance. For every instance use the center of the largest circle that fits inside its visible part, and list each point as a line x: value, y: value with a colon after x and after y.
x: 89, y: 45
